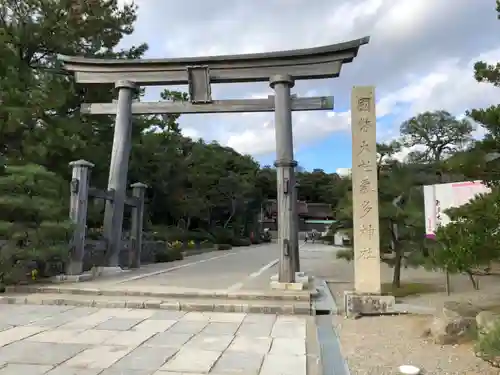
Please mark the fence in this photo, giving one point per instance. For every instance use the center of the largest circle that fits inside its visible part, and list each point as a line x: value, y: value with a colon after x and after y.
x: 79, y: 199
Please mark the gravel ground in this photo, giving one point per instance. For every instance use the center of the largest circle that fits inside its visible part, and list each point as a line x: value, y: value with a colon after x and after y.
x: 379, y: 345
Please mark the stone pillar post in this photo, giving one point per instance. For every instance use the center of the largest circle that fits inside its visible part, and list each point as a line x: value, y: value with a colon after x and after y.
x: 118, y: 169
x: 138, y: 191
x: 79, y: 198
x: 366, y: 298
x: 296, y: 240
x: 285, y: 165
x: 365, y: 191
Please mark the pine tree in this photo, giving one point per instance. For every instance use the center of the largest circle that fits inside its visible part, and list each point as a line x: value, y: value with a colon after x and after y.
x: 34, y: 226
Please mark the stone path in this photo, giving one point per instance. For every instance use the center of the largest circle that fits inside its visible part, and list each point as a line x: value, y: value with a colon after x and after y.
x: 63, y: 340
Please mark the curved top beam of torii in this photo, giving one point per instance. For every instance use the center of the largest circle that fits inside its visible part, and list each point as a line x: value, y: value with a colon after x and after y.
x: 309, y: 63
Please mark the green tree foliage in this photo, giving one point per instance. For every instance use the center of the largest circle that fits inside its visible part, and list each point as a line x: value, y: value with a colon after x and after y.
x: 401, y: 216
x: 34, y: 224
x: 439, y: 133
x: 318, y: 186
x: 40, y: 120
x: 472, y: 239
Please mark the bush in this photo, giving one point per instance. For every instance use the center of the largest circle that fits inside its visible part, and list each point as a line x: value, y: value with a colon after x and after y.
x: 34, y: 223
x: 173, y: 234
x: 241, y: 242
x: 224, y: 246
x: 488, y: 345
x: 199, y: 236
x: 223, y: 235
x: 168, y: 254
x: 206, y: 245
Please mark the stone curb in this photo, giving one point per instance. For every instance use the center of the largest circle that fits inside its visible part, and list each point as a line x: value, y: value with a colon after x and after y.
x: 158, y: 304
x: 304, y: 296
x: 313, y: 350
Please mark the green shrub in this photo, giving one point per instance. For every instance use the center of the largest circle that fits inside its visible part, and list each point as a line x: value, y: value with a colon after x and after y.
x: 168, y: 254
x: 34, y: 223
x: 173, y: 234
x: 199, y: 235
x: 488, y: 345
x: 175, y: 254
x: 223, y: 235
x: 241, y: 242
x: 206, y: 245
x: 224, y: 246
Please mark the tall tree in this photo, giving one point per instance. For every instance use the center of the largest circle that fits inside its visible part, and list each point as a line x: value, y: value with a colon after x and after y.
x: 439, y: 133
x: 401, y: 220
x: 40, y: 119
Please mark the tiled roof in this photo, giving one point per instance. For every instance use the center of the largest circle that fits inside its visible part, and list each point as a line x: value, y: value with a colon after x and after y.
x: 304, y: 209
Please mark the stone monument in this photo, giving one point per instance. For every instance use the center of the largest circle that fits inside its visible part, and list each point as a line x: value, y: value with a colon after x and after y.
x: 366, y: 298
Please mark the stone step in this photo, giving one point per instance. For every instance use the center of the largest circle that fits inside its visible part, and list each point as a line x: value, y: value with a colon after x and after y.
x: 165, y: 293
x: 140, y: 302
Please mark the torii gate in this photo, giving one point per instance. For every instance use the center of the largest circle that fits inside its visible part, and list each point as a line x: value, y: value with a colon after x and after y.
x: 281, y: 69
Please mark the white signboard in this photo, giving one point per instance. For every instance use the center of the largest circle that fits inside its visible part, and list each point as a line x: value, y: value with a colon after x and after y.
x: 440, y: 197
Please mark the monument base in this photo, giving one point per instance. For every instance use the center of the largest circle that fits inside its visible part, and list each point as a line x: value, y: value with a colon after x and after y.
x: 94, y: 273
x: 59, y: 279
x: 286, y: 286
x: 300, y: 278
x: 106, y: 271
x: 359, y: 304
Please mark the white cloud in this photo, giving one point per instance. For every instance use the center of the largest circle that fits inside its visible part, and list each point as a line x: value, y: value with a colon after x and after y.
x: 449, y: 85
x: 343, y: 172
x: 191, y: 133
x: 259, y: 138
x: 417, y: 59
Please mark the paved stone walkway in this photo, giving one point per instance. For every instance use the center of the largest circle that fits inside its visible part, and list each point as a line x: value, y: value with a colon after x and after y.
x: 63, y: 340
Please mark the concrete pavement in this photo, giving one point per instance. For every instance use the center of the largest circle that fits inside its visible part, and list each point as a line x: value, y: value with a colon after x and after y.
x: 62, y: 340
x: 244, y: 268
x: 217, y: 270
x: 231, y: 281
x: 148, y: 335
x: 229, y: 270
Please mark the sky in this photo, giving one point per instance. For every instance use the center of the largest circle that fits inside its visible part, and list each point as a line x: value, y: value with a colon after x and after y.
x: 420, y: 58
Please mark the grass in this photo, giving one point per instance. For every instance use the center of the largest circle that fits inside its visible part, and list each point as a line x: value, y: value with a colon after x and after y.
x: 409, y: 289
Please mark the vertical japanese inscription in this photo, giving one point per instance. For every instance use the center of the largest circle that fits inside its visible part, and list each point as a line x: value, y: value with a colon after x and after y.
x: 365, y: 191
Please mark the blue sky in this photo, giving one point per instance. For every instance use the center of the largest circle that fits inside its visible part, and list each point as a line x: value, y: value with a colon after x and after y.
x: 328, y: 154
x: 417, y: 59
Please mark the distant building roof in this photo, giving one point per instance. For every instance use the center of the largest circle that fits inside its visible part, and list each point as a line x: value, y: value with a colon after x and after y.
x: 315, y: 210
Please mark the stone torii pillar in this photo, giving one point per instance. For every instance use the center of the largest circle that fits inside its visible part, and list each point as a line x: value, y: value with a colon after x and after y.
x: 79, y: 198
x: 288, y: 239
x: 118, y: 170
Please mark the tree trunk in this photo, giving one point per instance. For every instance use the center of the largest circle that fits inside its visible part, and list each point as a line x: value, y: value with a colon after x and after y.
x: 474, y: 282
x: 228, y: 221
x: 233, y: 211
x: 398, y: 260
x: 398, y: 256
